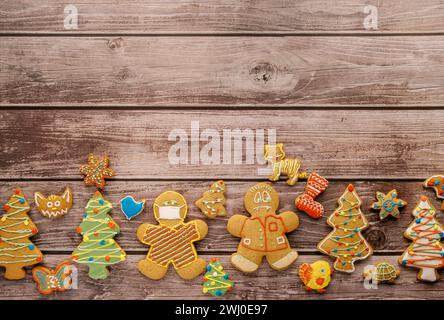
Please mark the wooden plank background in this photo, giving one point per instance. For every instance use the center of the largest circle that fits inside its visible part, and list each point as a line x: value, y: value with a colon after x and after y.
x: 222, y: 71
x: 228, y: 16
x: 357, y: 106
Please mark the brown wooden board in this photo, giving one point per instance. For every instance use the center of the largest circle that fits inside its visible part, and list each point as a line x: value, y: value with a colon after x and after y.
x: 228, y: 16
x: 356, y: 105
x: 345, y: 144
x: 222, y: 71
x: 59, y: 235
x: 125, y: 282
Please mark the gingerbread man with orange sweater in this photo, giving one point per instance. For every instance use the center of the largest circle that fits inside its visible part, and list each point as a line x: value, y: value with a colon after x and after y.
x: 263, y: 234
x: 172, y: 240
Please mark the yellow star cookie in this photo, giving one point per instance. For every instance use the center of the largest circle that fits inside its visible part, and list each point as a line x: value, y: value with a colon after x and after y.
x: 388, y: 204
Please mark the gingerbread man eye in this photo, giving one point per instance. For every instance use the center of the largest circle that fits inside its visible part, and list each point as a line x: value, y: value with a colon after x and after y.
x: 257, y: 197
x: 57, y: 203
x: 266, y: 196
x: 49, y: 204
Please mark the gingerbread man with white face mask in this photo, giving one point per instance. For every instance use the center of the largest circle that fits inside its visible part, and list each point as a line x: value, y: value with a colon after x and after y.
x: 263, y: 234
x: 171, y: 242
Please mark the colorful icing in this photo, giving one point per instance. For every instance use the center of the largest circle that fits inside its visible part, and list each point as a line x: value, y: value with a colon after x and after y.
x: 16, y: 227
x: 98, y: 248
x: 346, y: 241
x: 280, y: 165
x: 130, y: 207
x: 212, y: 203
x: 216, y: 281
x: 305, y: 202
x: 49, y: 280
x: 426, y: 252
x: 96, y: 171
x: 437, y: 183
x: 388, y: 204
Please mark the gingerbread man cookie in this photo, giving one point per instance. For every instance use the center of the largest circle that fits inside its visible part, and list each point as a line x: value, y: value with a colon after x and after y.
x: 263, y: 234
x: 172, y: 241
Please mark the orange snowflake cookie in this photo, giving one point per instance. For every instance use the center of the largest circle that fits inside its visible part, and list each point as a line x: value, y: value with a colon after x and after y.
x: 96, y: 171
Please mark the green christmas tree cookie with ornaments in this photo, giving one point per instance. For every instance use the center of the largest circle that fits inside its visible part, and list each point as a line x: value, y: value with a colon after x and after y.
x: 216, y: 281
x: 98, y: 250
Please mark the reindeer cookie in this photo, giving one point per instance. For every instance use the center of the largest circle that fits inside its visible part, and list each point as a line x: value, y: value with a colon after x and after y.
x: 171, y: 242
x: 281, y: 166
x: 54, y: 206
x: 263, y: 234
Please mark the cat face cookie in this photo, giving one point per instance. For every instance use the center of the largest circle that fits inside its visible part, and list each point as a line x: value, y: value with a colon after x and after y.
x: 54, y: 206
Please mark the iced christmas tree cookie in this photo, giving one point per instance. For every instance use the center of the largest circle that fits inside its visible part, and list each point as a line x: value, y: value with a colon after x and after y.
x: 16, y: 227
x: 426, y: 251
x: 216, y: 281
x: 346, y: 242
x: 98, y: 250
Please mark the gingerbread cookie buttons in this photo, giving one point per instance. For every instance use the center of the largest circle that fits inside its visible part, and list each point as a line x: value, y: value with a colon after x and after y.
x: 263, y: 233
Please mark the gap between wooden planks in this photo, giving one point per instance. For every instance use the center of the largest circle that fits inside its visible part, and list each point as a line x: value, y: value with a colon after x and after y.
x: 222, y: 71
x: 227, y: 16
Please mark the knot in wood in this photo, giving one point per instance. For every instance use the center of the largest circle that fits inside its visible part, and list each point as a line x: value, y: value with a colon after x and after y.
x: 376, y: 238
x: 263, y: 72
x: 123, y: 74
x: 115, y: 43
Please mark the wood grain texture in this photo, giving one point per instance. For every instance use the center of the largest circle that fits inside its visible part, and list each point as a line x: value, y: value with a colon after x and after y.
x: 125, y: 282
x: 346, y: 144
x: 222, y: 71
x: 228, y: 16
x: 59, y: 235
